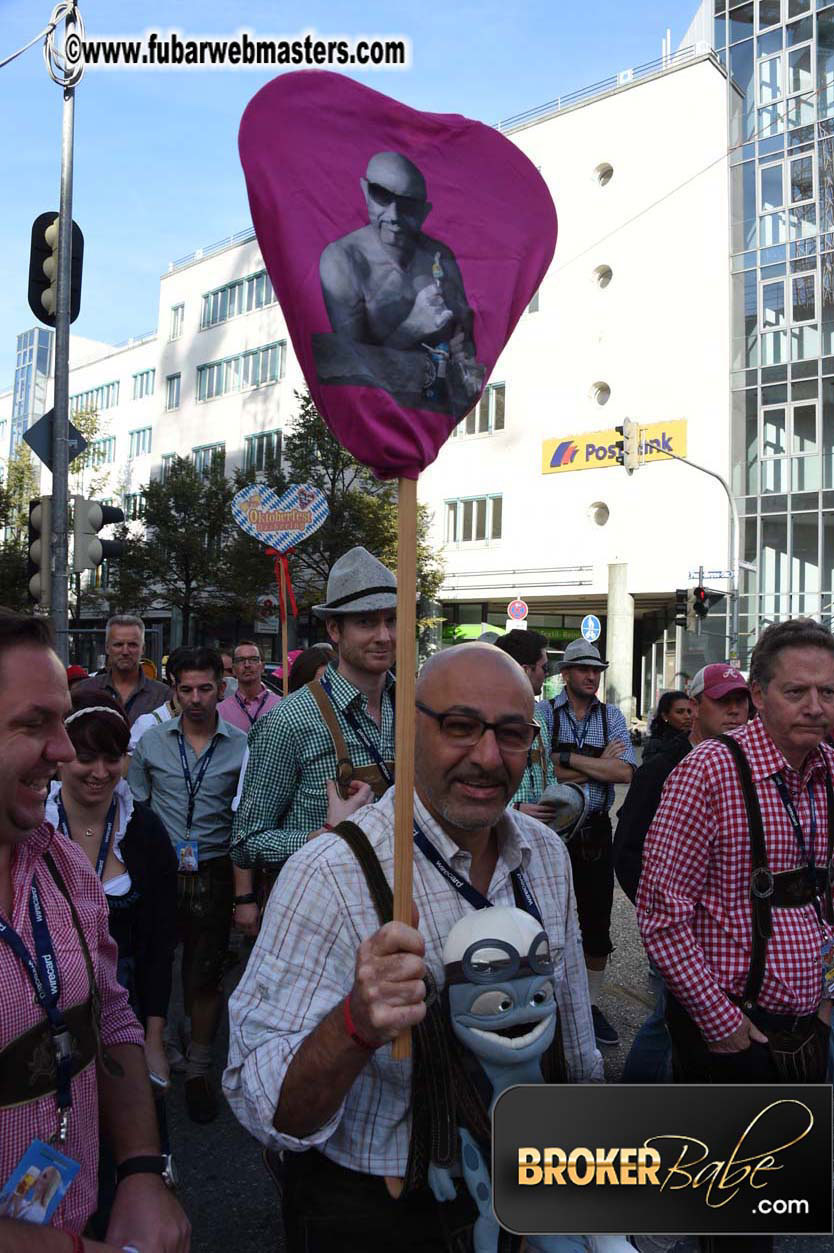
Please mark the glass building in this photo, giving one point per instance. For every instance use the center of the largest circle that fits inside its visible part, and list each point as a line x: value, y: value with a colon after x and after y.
x: 780, y: 58
x: 32, y: 367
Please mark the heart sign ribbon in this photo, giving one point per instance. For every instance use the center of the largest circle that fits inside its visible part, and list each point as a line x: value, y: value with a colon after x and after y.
x: 403, y: 247
x: 280, y: 522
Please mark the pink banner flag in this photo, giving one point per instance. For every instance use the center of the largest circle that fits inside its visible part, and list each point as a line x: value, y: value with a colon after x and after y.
x: 403, y: 248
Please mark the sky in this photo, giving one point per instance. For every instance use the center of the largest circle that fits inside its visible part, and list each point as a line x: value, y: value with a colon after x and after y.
x: 156, y: 166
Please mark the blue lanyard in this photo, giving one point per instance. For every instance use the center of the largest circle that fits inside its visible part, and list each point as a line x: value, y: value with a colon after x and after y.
x: 464, y: 888
x: 372, y: 749
x: 106, y: 839
x: 194, y: 785
x: 252, y: 718
x: 574, y: 725
x: 45, y: 979
x: 807, y: 855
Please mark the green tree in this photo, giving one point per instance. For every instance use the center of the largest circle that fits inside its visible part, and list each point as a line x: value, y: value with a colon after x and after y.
x: 363, y: 510
x: 20, y: 487
x: 188, y: 523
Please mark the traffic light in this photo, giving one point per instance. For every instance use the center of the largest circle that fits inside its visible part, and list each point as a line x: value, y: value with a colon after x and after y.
x: 39, y: 543
x: 685, y: 608
x: 43, y: 269
x: 701, y: 601
x: 88, y: 517
x: 628, y: 448
x: 631, y: 445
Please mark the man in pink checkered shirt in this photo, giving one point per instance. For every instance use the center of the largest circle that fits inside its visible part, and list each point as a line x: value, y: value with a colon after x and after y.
x: 721, y: 860
x: 53, y: 922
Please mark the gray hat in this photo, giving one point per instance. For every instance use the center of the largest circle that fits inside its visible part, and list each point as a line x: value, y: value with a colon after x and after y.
x: 581, y: 653
x: 358, y: 583
x: 570, y: 802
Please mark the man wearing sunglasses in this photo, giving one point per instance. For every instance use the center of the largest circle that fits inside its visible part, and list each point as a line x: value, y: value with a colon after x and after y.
x: 390, y: 286
x: 327, y: 989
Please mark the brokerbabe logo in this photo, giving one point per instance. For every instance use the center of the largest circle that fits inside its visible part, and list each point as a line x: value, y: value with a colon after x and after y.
x: 711, y: 1160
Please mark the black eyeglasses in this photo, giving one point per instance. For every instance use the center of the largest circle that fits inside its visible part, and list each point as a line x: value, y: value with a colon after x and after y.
x: 383, y: 197
x: 466, y: 730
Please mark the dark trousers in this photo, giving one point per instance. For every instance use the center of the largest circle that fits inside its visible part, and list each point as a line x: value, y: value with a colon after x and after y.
x: 592, y: 863
x: 329, y: 1209
x: 694, y: 1063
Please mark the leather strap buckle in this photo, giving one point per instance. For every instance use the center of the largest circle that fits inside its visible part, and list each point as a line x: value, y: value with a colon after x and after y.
x: 762, y: 883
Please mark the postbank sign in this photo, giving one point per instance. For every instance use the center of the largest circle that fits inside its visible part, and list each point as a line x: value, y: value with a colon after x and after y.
x: 596, y: 450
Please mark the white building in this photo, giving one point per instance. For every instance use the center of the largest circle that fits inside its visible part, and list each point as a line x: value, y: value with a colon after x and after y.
x: 632, y: 321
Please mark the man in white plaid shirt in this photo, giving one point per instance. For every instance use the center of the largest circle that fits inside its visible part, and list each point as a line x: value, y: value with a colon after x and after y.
x: 327, y: 989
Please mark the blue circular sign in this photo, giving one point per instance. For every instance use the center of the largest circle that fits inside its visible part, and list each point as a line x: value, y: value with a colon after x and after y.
x: 591, y: 628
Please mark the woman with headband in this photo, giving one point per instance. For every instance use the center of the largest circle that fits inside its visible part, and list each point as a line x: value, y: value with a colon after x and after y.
x: 129, y: 849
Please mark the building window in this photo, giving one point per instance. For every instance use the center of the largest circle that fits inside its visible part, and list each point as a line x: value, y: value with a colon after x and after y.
x: 143, y: 384
x: 177, y: 320
x: 240, y: 373
x: 263, y: 450
x: 172, y: 391
x: 208, y: 457
x: 166, y: 461
x: 134, y: 506
x: 488, y: 414
x: 235, y: 298
x: 103, y: 451
x: 96, y: 399
x: 140, y: 442
x: 477, y: 520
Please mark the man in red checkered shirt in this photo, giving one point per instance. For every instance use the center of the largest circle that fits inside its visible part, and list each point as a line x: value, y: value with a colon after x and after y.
x: 720, y: 857
x: 70, y: 1045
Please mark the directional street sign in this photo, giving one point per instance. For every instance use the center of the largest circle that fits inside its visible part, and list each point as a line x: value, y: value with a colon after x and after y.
x: 591, y: 628
x: 711, y: 574
x: 39, y: 439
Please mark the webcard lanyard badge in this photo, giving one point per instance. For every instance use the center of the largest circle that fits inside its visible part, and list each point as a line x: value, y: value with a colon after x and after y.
x: 42, y: 971
x: 465, y: 889
x: 187, y: 853
x: 809, y: 858
x: 253, y: 718
x: 372, y: 748
x: 106, y: 840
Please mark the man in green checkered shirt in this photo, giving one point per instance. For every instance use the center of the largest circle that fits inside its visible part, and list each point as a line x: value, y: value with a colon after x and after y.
x: 290, y: 787
x: 529, y: 649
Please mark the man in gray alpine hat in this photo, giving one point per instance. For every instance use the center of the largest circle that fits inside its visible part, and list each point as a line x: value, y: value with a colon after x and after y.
x: 591, y: 745
x: 327, y: 749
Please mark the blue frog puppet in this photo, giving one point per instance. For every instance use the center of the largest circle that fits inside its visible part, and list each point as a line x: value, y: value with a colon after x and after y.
x: 499, y: 981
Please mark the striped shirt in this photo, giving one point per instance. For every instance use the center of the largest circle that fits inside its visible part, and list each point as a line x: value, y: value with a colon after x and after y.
x: 303, y: 965
x: 539, y: 772
x: 19, y: 1011
x: 589, y: 730
x: 291, y: 757
x: 693, y: 904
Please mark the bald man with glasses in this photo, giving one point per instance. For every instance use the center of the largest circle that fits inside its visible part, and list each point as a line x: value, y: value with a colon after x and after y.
x: 310, y: 1068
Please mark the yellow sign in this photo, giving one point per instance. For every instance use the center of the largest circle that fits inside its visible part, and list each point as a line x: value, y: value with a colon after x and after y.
x: 595, y: 450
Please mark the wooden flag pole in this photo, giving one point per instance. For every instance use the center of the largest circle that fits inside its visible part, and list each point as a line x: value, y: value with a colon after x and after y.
x: 285, y: 669
x: 404, y: 728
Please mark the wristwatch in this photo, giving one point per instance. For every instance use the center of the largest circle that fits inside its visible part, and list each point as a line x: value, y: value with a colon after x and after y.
x: 248, y: 898
x: 161, y: 1164
x: 564, y: 759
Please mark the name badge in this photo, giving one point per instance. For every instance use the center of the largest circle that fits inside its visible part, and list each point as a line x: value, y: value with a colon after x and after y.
x: 188, y: 856
x: 38, y: 1184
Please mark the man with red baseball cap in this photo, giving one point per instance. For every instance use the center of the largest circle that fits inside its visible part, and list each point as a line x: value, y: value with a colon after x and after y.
x: 717, y: 681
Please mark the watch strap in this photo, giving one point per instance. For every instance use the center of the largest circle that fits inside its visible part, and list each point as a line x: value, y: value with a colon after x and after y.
x: 564, y: 759
x: 155, y: 1164
x: 248, y: 898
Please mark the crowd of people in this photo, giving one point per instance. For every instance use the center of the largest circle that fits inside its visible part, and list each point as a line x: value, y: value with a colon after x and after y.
x: 141, y: 819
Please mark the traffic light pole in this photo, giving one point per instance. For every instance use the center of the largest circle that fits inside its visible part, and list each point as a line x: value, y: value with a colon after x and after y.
x: 734, y: 553
x: 60, y: 429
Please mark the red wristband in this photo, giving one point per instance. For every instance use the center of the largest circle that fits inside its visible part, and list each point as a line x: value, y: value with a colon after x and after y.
x: 350, y: 1028
x: 77, y: 1242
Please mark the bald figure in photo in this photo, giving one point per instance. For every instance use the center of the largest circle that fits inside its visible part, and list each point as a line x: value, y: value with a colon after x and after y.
x: 391, y: 286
